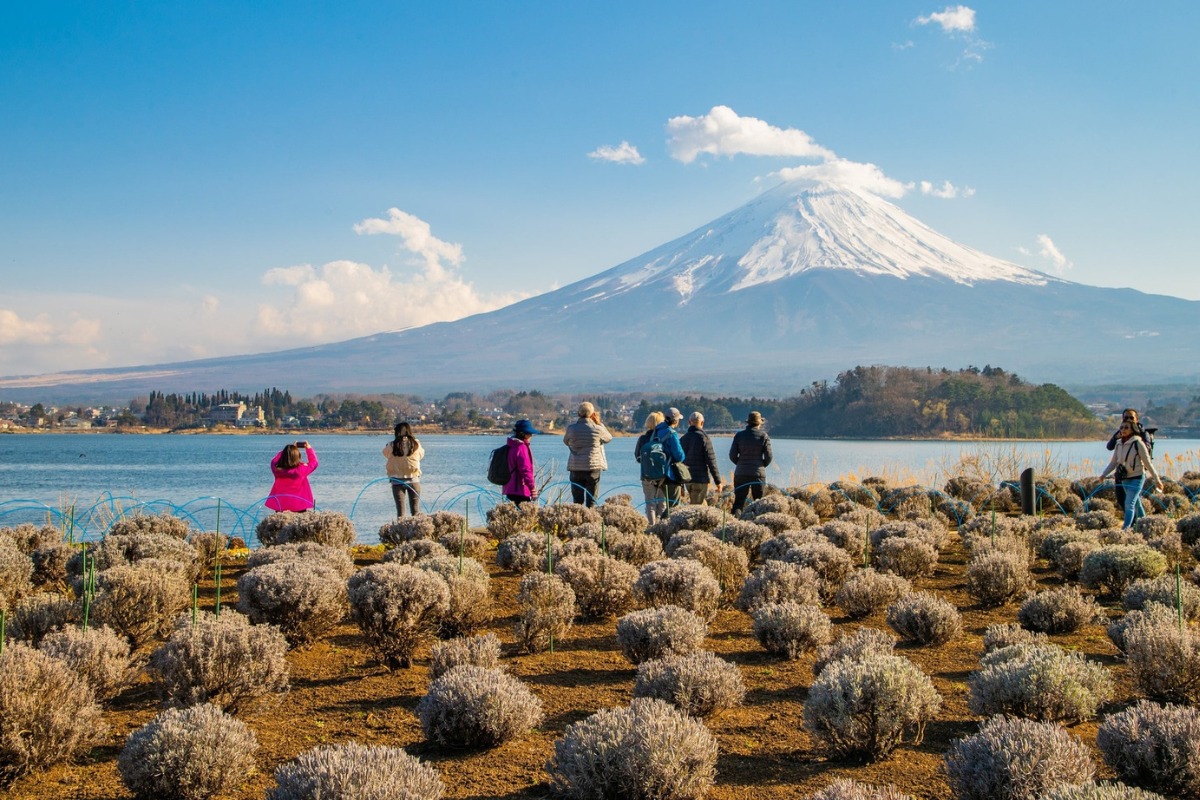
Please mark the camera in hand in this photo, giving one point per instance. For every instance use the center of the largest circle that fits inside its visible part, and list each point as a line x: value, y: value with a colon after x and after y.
x: 302, y: 443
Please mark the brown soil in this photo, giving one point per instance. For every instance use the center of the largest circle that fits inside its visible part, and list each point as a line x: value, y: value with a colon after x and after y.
x: 340, y: 693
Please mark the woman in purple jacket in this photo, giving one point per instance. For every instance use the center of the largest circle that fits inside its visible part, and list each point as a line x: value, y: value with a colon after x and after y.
x: 291, y: 491
x: 521, y: 486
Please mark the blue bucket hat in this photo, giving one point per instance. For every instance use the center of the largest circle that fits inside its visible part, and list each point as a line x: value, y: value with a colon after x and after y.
x: 525, y: 426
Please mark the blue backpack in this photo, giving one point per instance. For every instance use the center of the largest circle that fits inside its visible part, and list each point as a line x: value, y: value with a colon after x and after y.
x: 654, y: 460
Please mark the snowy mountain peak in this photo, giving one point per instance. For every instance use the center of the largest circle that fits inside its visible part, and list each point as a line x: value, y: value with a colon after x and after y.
x: 802, y: 226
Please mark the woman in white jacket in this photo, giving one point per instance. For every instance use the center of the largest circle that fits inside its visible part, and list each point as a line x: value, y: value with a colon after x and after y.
x: 585, y: 438
x: 1131, y: 462
x: 404, y: 454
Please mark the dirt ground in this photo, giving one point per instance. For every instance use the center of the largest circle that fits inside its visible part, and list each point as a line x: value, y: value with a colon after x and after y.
x: 339, y: 693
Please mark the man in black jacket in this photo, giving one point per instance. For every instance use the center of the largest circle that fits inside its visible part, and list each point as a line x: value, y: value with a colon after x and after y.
x: 700, y: 460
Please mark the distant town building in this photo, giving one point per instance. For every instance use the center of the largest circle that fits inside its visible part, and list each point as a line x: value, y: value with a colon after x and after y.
x: 227, y: 412
x: 251, y: 418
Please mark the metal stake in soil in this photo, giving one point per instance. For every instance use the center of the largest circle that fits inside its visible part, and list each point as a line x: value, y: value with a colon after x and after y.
x: 462, y: 539
x: 1179, y: 597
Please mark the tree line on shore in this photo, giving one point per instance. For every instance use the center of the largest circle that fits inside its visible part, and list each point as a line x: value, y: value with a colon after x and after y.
x: 863, y: 402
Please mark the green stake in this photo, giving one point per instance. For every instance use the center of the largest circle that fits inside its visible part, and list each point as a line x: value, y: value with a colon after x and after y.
x: 3, y: 630
x: 603, y: 539
x: 87, y: 595
x: 462, y: 539
x: 218, y: 580
x: 218, y: 517
x: 195, y: 602
x: 549, y: 555
x: 1179, y: 597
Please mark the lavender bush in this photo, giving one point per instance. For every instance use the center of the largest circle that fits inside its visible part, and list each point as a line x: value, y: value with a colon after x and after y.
x: 188, y: 754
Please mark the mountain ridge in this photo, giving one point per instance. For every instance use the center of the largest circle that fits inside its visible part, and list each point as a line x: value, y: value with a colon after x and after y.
x: 800, y: 283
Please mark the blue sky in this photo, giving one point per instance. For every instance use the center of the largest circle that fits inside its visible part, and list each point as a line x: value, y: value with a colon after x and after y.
x: 188, y: 179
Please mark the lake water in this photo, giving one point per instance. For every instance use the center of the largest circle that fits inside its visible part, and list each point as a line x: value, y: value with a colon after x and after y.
x: 203, y: 476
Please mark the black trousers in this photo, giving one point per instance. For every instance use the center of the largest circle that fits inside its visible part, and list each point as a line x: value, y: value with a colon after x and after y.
x: 745, y: 486
x: 584, y: 486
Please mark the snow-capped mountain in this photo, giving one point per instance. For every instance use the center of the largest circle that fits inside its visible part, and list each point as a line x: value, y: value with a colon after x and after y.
x: 793, y: 229
x: 804, y: 281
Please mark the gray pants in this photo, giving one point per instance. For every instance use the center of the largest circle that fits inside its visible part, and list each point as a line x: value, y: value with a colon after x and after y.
x: 656, y: 500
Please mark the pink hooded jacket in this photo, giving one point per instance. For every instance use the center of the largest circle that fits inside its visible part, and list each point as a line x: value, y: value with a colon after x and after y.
x: 291, y: 491
x: 520, y: 467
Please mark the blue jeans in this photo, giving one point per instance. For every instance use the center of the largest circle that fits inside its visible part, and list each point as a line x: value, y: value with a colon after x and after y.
x: 1133, y: 499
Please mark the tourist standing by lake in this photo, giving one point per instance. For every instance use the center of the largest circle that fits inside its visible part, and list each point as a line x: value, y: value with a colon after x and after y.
x: 751, y: 455
x: 521, y: 486
x: 1130, y: 464
x: 699, y: 458
x: 291, y: 491
x: 404, y: 454
x: 585, y: 438
x: 651, y: 489
x: 665, y: 433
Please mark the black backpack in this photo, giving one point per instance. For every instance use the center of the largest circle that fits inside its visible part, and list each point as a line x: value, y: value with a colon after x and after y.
x: 1147, y: 435
x: 498, y: 471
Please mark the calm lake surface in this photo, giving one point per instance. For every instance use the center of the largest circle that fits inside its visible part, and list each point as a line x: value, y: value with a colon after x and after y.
x: 201, y: 476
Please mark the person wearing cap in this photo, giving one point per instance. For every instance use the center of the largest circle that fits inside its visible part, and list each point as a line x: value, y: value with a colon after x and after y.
x: 699, y: 458
x: 665, y: 433
x: 521, y: 486
x: 585, y: 438
x: 751, y: 455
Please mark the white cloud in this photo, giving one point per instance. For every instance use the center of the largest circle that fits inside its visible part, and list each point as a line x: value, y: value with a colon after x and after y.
x: 34, y: 339
x: 956, y: 19
x: 344, y: 299
x: 624, y: 153
x: 854, y: 174
x: 15, y: 330
x: 417, y: 236
x: 1049, y: 251
x: 959, y: 22
x: 722, y: 132
x: 43, y: 329
x: 298, y: 305
x: 288, y: 276
x: 947, y: 191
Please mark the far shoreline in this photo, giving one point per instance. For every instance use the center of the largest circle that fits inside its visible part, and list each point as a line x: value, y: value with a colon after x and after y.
x: 434, y: 431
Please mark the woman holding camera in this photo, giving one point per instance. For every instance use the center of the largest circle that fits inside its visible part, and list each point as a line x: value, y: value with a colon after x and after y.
x: 291, y: 491
x: 1131, y: 463
x: 404, y: 454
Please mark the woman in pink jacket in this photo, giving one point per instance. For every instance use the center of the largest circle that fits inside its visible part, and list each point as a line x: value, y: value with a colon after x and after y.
x: 291, y: 491
x: 521, y: 486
